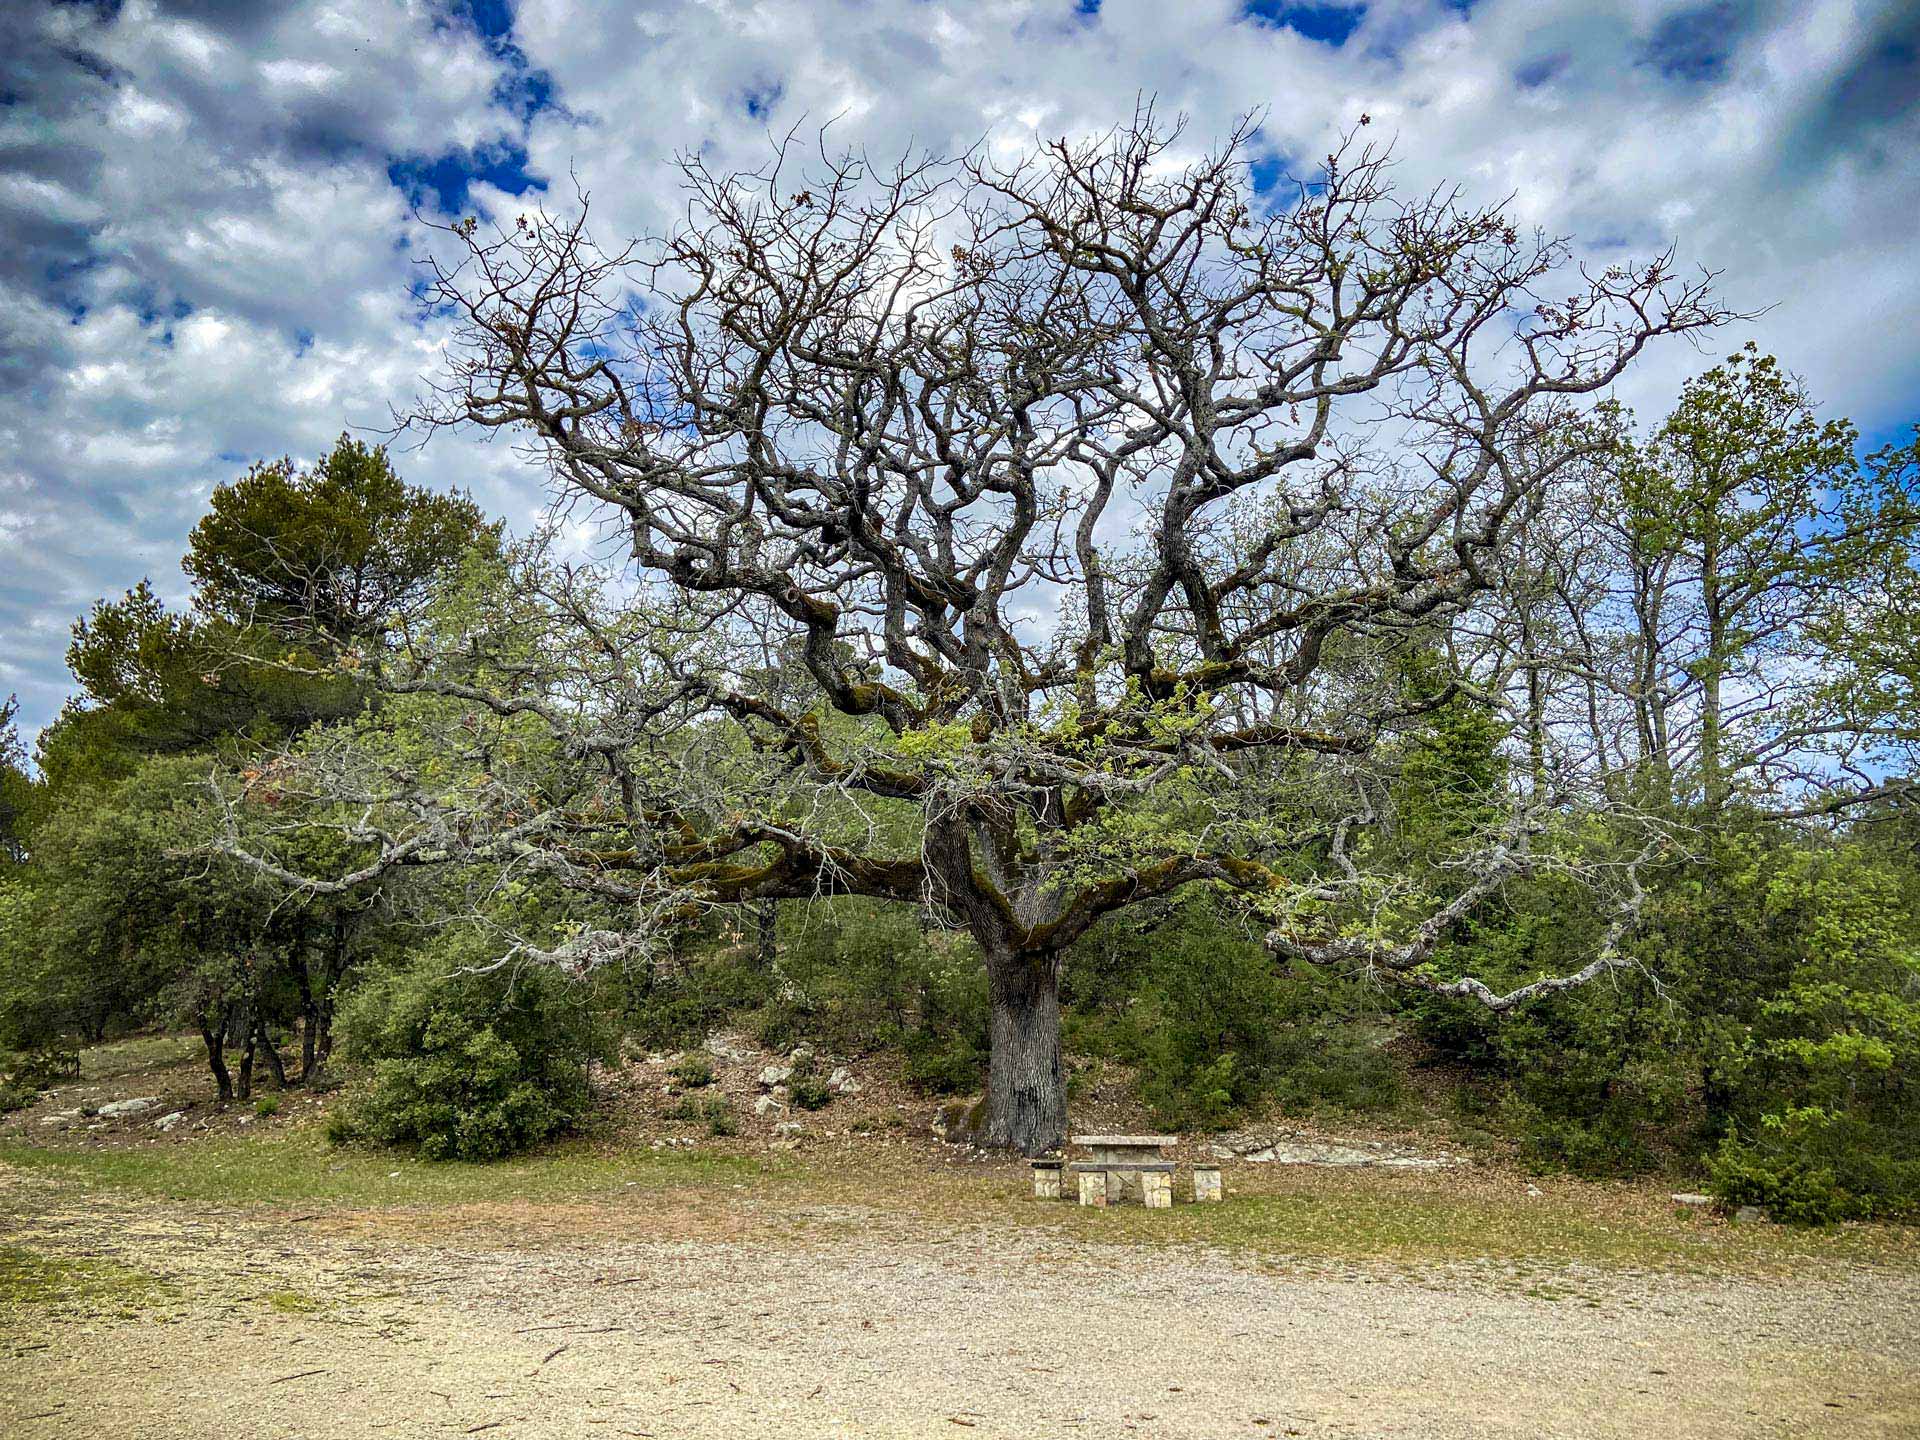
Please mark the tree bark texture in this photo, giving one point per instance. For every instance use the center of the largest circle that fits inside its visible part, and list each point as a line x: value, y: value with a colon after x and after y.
x: 1026, y: 1081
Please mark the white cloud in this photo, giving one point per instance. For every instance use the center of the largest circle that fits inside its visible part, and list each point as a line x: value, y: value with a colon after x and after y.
x: 206, y: 259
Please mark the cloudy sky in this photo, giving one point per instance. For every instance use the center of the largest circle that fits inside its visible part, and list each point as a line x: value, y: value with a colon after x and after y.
x: 207, y: 210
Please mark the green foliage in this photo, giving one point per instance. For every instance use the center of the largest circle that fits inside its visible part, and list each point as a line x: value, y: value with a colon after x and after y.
x: 809, y: 1092
x: 938, y: 1061
x: 469, y: 1066
x: 45, y: 1066
x: 1811, y: 1166
x: 713, y: 1111
x: 693, y: 1072
x: 1216, y: 1028
x: 117, y: 910
x: 17, y: 790
x: 1823, y: 1087
x: 1204, y: 1096
x: 24, y: 1076
x: 342, y: 547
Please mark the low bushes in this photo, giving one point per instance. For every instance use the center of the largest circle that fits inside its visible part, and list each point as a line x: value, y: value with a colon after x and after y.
x: 465, y: 1065
x: 1809, y: 1166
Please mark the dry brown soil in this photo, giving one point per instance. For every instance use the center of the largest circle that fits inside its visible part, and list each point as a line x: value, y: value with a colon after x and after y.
x: 888, y: 1286
x: 697, y: 1316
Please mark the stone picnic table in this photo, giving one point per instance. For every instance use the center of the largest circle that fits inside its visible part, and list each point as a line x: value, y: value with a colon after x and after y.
x: 1123, y: 1165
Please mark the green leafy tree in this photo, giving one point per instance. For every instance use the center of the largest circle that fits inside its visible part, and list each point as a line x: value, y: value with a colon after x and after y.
x: 1824, y: 1090
x: 121, y: 918
x: 1759, y: 544
x: 16, y: 789
x: 344, y: 546
x: 341, y: 546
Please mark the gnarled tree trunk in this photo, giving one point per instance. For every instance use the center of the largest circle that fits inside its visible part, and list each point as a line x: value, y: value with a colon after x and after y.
x: 1026, y: 1082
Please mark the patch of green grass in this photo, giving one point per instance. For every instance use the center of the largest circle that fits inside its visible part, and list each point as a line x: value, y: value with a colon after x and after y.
x: 30, y: 1278
x: 291, y: 1302
x: 299, y: 1167
x: 1325, y: 1217
x: 1428, y: 1227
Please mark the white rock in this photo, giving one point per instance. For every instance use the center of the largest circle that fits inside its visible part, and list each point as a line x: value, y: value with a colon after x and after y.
x: 728, y: 1047
x: 775, y: 1075
x: 800, y: 1053
x: 1300, y: 1150
x: 1691, y: 1197
x: 766, y: 1104
x: 167, y: 1122
x: 114, y: 1109
x: 842, y: 1081
x: 1535, y: 1190
x: 787, y: 1128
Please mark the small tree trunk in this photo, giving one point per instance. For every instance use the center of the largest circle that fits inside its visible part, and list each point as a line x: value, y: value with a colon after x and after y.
x: 767, y: 946
x: 316, y: 1028
x: 1712, y: 775
x: 1026, y: 1082
x: 213, y: 1034
x: 308, y: 1029
x: 244, y: 1028
x: 275, y: 1066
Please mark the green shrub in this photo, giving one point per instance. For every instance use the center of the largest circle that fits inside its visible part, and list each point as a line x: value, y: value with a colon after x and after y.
x: 810, y: 1094
x: 1193, y: 1097
x: 465, y: 1065
x: 943, y: 1064
x: 1215, y: 1028
x: 693, y: 1072
x: 45, y: 1065
x: 24, y: 1075
x: 266, y: 1106
x: 713, y: 1111
x: 1810, y: 1166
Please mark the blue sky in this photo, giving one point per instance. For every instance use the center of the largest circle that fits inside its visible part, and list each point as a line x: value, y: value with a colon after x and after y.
x: 209, y: 209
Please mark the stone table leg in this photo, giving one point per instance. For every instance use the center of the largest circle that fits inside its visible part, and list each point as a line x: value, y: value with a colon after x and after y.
x: 1157, y: 1189
x: 1093, y: 1188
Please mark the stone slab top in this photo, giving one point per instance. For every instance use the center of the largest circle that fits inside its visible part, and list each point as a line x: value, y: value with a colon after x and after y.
x: 1101, y: 1167
x: 1115, y: 1141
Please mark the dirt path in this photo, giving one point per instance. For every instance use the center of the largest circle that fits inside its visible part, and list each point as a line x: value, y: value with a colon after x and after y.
x: 835, y: 1322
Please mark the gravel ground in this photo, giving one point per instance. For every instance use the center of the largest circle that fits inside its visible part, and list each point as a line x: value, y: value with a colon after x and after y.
x: 840, y: 1322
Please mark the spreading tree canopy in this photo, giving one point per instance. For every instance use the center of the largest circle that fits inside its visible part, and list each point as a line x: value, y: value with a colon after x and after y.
x: 1120, y: 527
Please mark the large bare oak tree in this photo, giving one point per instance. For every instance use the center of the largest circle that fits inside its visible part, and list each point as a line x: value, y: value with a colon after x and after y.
x: 1088, y: 495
